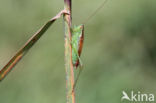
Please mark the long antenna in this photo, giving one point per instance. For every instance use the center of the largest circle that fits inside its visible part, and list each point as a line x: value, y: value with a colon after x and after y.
x: 98, y: 9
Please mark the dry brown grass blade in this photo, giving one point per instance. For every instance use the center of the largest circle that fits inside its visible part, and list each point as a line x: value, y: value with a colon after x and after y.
x: 18, y: 56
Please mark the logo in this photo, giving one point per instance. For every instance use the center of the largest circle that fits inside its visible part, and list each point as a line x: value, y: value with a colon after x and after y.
x: 137, y: 97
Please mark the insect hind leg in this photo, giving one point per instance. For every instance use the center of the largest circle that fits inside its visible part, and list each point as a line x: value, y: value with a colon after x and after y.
x: 80, y: 62
x: 79, y: 72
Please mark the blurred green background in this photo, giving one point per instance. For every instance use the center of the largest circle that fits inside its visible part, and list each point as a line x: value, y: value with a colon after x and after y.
x: 119, y: 51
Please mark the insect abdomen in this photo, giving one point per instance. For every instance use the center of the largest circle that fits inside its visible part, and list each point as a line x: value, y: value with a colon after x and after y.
x: 77, y: 44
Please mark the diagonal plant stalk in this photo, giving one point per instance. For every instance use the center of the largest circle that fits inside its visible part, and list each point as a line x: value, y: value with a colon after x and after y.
x: 68, y: 54
x: 18, y: 56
